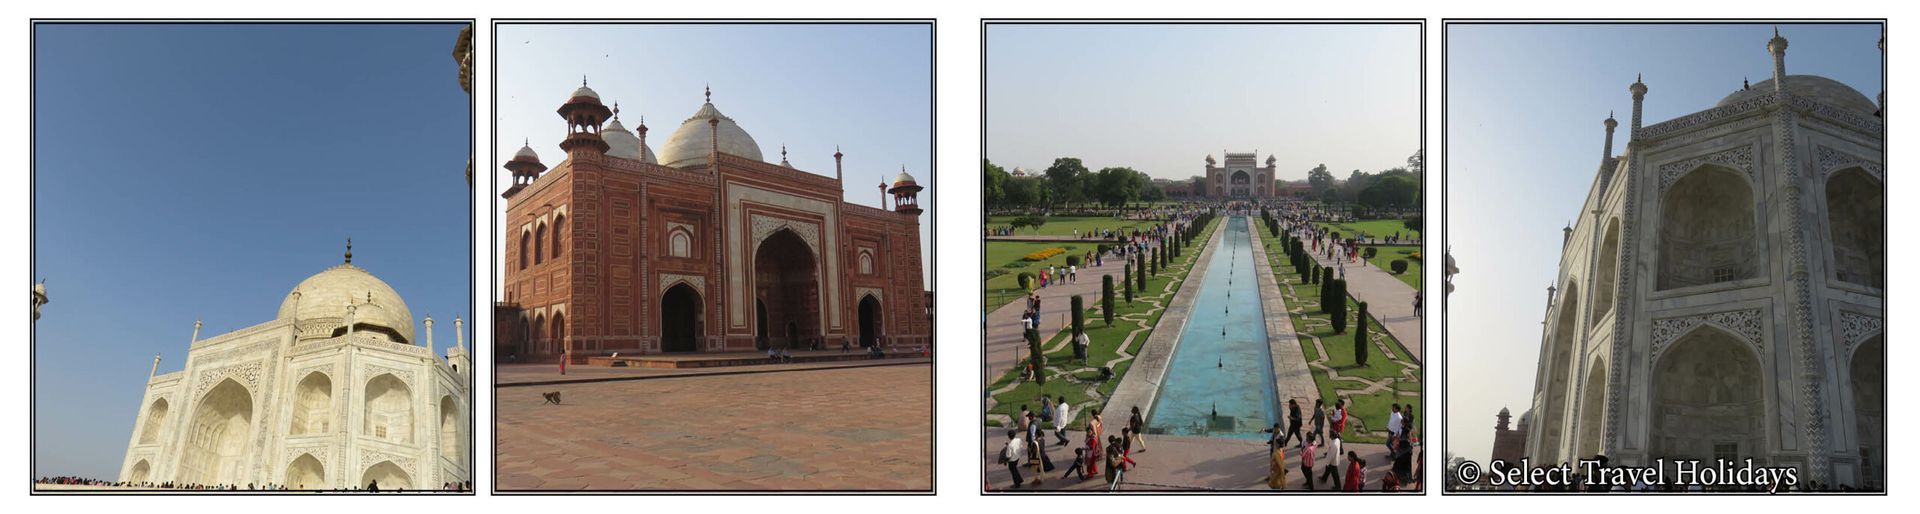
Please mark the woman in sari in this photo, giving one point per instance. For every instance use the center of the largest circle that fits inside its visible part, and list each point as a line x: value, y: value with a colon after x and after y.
x: 1277, y: 468
x: 1094, y: 453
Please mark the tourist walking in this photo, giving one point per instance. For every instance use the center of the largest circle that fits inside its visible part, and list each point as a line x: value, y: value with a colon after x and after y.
x: 1061, y: 416
x: 1416, y: 304
x: 1319, y: 419
x: 1393, y: 422
x: 1307, y: 447
x: 1037, y: 450
x: 1094, y: 442
x: 1138, y: 425
x: 1356, y: 472
x: 1012, y: 455
x: 1277, y: 468
x: 1293, y: 422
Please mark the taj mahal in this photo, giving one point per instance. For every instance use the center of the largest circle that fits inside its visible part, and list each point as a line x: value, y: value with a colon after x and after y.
x: 335, y: 392
x: 1722, y: 293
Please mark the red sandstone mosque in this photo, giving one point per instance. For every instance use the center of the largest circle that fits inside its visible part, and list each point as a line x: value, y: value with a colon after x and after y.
x: 703, y: 248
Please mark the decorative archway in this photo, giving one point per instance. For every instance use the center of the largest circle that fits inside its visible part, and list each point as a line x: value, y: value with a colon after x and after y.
x: 1707, y: 229
x: 1606, y: 271
x: 870, y: 321
x: 526, y: 245
x: 389, y: 410
x: 451, y: 446
x: 313, y: 405
x: 1559, y: 376
x: 559, y: 331
x: 218, y: 444
x: 540, y: 332
x: 787, y: 282
x: 1856, y: 221
x: 1240, y: 181
x: 156, y: 418
x: 680, y: 319
x: 1867, y: 373
x: 559, y: 235
x: 141, y: 470
x: 1708, y: 398
x: 388, y: 475
x: 306, y: 473
x: 1593, y: 410
x: 539, y: 242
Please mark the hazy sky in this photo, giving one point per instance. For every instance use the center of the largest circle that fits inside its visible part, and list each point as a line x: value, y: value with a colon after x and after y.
x: 1524, y: 119
x: 189, y: 172
x: 866, y: 88
x: 1160, y: 98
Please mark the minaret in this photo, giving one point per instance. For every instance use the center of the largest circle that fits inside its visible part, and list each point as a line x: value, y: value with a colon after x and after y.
x: 1502, y: 425
x: 155, y: 369
x: 713, y: 135
x: 883, y: 193
x: 429, y: 323
x: 1778, y: 47
x: 526, y: 167
x: 196, y: 333
x: 459, y: 333
x: 350, y: 310
x: 1606, y: 152
x: 642, y: 132
x: 836, y: 166
x: 584, y: 114
x: 906, y: 193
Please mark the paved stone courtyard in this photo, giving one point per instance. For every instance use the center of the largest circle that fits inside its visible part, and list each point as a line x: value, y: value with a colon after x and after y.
x: 838, y: 429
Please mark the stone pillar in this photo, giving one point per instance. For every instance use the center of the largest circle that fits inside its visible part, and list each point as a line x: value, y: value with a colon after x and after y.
x: 1614, y: 442
x: 1808, y: 357
x: 429, y: 324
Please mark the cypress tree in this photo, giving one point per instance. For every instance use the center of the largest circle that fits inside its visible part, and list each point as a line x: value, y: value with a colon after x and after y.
x: 1106, y: 298
x: 1140, y: 273
x: 1126, y: 280
x: 1079, y: 316
x: 1360, y: 341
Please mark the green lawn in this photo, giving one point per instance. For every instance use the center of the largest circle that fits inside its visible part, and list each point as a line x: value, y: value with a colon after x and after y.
x: 1104, y: 341
x: 1010, y: 256
x: 1387, y: 253
x: 1065, y: 225
x: 1376, y: 228
x: 1372, y: 409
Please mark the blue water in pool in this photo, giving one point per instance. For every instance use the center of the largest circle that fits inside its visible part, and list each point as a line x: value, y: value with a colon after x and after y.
x: 1229, y: 373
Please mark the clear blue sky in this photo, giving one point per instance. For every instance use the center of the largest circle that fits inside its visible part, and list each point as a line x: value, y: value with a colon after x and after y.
x: 1160, y: 98
x: 866, y: 88
x: 1525, y: 104
x: 189, y: 172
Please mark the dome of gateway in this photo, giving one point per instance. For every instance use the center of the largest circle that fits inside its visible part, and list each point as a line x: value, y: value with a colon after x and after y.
x: 622, y: 143
x: 1818, y: 88
x: 689, y: 144
x: 325, y: 295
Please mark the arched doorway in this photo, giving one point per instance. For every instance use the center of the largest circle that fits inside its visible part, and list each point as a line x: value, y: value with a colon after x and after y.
x: 762, y: 338
x: 1707, y: 231
x: 786, y: 280
x: 1868, y: 377
x: 869, y: 321
x: 306, y: 473
x: 1593, y: 410
x: 141, y: 470
x: 218, y: 443
x: 540, y: 333
x: 313, y: 405
x: 1240, y: 182
x: 680, y: 319
x: 1857, y: 219
x: 1707, y: 399
x: 156, y: 416
x: 1606, y: 271
x: 389, y: 410
x: 559, y: 331
x: 388, y: 475
x: 1560, y: 384
x: 451, y: 447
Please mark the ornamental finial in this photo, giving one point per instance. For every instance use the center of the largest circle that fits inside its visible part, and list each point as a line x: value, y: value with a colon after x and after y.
x: 709, y: 93
x: 349, y: 250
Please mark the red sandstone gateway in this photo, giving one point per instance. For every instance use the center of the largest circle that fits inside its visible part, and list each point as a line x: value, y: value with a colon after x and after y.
x: 704, y: 249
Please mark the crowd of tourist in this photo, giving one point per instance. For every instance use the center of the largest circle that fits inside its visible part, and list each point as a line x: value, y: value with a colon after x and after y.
x: 373, y: 486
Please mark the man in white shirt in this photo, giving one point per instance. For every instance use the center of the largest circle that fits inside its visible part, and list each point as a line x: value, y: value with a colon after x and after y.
x: 1393, y: 423
x: 1060, y: 419
x: 1015, y: 454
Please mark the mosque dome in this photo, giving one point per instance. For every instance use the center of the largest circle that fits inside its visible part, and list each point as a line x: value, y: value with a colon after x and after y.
x: 903, y: 179
x: 325, y: 295
x: 1818, y: 88
x: 584, y: 92
x: 689, y: 144
x: 622, y: 143
x: 526, y: 153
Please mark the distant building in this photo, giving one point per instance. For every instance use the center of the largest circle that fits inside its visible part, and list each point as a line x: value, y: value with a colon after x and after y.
x: 1508, y: 444
x: 1240, y: 177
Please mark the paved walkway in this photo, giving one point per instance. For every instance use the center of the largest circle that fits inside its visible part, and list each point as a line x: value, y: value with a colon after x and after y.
x: 514, y: 375
x: 1181, y: 463
x: 1292, y: 377
x: 1388, y: 299
x: 1005, y: 345
x: 816, y: 431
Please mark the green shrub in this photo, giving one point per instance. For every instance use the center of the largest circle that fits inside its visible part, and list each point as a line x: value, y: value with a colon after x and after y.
x: 1026, y: 280
x: 1369, y: 252
x: 1073, y: 260
x: 995, y: 273
x: 1106, y: 299
x: 1399, y: 266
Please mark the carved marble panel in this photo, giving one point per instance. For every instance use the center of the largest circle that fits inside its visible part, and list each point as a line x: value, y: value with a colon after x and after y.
x: 1856, y: 328
x: 1832, y: 160
x: 697, y: 282
x: 1743, y: 323
x: 1739, y: 158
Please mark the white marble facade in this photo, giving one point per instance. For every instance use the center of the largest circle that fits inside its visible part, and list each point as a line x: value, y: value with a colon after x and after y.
x: 1722, y: 292
x: 335, y: 392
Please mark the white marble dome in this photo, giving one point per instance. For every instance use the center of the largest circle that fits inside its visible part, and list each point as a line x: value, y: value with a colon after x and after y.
x: 622, y: 143
x: 326, y: 295
x: 584, y: 91
x: 1818, y: 88
x: 689, y: 144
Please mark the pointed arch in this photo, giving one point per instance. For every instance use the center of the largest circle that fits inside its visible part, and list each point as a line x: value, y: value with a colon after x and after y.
x: 559, y: 234
x: 1708, y: 397
x: 1708, y: 229
x: 306, y: 473
x: 220, y: 435
x: 1607, y: 271
x: 387, y: 475
x: 539, y: 242
x: 313, y: 405
x: 141, y: 472
x: 1856, y: 223
x: 452, y: 446
x: 389, y: 409
x: 526, y: 245
x: 156, y: 418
